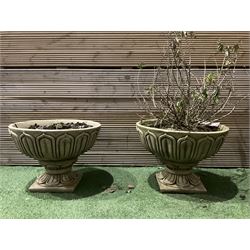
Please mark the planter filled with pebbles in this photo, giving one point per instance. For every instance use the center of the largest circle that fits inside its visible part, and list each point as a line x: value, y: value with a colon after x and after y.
x: 56, y: 144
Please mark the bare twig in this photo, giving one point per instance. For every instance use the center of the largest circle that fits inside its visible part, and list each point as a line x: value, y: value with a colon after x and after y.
x: 172, y: 98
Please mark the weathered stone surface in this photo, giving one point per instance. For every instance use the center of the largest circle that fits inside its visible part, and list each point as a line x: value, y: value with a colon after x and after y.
x: 56, y: 150
x: 62, y: 183
x: 180, y: 151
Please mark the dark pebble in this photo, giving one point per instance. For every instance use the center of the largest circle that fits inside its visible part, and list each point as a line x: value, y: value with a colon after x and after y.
x: 242, y: 196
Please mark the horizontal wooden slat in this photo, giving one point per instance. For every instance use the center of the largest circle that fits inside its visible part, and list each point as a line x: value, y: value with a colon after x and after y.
x: 80, y: 49
x: 105, y: 96
x: 90, y: 90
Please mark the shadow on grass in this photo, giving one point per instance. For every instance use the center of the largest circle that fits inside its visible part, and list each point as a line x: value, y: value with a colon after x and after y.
x: 219, y: 188
x: 93, y: 182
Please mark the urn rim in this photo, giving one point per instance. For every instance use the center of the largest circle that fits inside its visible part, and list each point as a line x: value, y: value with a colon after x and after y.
x: 223, y: 129
x: 12, y: 126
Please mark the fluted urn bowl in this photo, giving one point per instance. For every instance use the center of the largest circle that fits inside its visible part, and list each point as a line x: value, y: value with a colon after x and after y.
x: 55, y: 149
x: 180, y: 151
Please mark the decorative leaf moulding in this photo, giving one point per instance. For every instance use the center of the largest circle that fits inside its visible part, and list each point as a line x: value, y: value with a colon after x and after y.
x: 56, y: 151
x: 180, y: 151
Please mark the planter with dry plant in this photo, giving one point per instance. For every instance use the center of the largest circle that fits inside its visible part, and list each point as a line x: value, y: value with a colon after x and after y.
x: 183, y: 109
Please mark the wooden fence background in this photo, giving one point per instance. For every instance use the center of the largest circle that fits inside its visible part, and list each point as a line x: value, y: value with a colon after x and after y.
x: 89, y: 75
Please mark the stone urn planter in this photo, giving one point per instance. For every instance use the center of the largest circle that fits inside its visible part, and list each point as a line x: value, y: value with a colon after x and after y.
x: 180, y: 151
x: 56, y: 150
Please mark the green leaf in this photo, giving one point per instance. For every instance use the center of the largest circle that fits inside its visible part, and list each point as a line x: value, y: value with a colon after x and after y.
x: 228, y: 62
x: 204, y: 93
x: 201, y: 98
x: 179, y: 104
x: 140, y: 65
x: 227, y: 53
x: 220, y: 46
x: 236, y: 48
x: 216, y: 94
x: 183, y: 34
x: 192, y: 34
x: 210, y: 78
x: 216, y: 100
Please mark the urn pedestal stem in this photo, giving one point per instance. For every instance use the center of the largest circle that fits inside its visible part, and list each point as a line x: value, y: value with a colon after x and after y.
x: 58, y: 177
x: 179, y: 181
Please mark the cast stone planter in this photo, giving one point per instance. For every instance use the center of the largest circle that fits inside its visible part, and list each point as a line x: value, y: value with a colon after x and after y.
x: 56, y: 150
x: 180, y: 151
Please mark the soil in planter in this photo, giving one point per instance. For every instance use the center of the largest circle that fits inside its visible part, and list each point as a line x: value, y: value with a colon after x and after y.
x: 198, y: 129
x: 61, y: 125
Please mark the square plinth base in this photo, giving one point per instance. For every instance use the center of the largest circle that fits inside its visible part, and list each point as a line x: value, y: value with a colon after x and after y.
x: 177, y: 189
x: 35, y: 187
